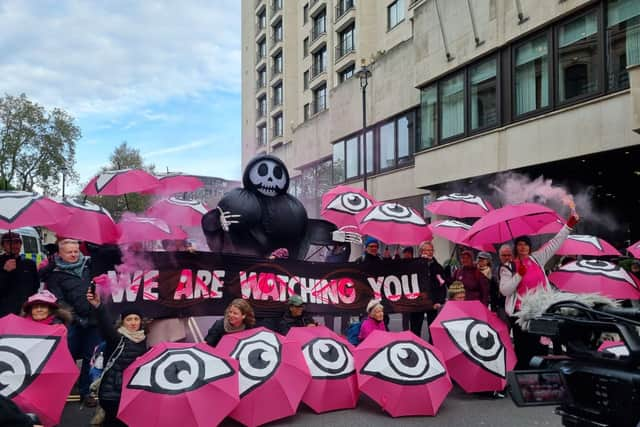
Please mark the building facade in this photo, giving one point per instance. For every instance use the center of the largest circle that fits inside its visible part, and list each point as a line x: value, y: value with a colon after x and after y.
x: 459, y: 91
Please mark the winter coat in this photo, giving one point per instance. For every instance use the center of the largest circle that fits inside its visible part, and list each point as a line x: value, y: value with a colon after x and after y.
x: 369, y: 325
x: 71, y: 290
x: 476, y: 284
x: 216, y: 332
x: 288, y: 321
x: 436, y: 291
x: 120, y: 352
x: 17, y: 285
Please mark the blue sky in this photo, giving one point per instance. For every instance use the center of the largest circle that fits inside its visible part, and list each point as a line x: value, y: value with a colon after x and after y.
x: 162, y: 75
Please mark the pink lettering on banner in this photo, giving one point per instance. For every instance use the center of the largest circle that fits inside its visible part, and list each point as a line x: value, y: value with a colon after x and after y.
x: 123, y: 286
x: 249, y: 285
x: 149, y: 292
x: 268, y: 285
x: 185, y: 286
x: 346, y: 290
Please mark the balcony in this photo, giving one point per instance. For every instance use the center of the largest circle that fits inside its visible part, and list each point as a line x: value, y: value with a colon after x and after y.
x: 316, y: 33
x: 275, y: 72
x: 342, y: 8
x: 261, y: 112
x: 342, y: 51
x: 317, y: 69
x: 318, y: 106
x: 261, y: 84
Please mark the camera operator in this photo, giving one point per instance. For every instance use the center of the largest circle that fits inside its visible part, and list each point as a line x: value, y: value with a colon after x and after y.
x: 528, y: 275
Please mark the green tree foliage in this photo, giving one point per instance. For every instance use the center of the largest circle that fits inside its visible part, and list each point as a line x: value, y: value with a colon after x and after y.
x: 36, y: 145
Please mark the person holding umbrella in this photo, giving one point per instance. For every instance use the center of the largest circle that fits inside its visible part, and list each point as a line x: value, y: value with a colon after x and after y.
x: 529, y: 274
x: 123, y: 345
x: 43, y: 307
x: 18, y: 275
x: 238, y: 316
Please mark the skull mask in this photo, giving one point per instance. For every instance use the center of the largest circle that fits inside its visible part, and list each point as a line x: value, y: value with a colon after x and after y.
x: 267, y: 175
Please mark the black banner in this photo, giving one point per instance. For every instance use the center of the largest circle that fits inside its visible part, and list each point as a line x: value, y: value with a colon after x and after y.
x: 195, y: 284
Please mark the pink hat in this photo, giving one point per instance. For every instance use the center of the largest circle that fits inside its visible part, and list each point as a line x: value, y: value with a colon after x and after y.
x: 42, y: 297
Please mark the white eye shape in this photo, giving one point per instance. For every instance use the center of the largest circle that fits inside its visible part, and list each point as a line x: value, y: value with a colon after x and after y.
x: 405, y: 363
x: 350, y: 202
x: 21, y: 361
x: 395, y: 213
x: 259, y: 357
x: 598, y: 267
x: 328, y: 358
x: 180, y: 370
x: 466, y: 198
x: 480, y: 343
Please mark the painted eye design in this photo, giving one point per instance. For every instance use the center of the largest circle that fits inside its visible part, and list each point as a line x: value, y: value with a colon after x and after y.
x: 395, y: 213
x: 480, y: 343
x: 259, y: 357
x: 177, y: 371
x: 21, y: 361
x: 585, y: 238
x: 619, y: 350
x: 350, y: 202
x: 599, y: 268
x: 328, y: 358
x: 405, y: 363
x: 466, y: 198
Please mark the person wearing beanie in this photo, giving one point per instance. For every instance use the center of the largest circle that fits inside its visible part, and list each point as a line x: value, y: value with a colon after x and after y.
x: 295, y: 315
x: 371, y: 246
x: 42, y: 307
x: 527, y: 276
x: 122, y: 346
x: 374, y: 320
x: 456, y: 291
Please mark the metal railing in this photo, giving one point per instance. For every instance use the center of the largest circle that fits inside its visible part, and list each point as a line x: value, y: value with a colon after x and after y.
x: 343, y: 50
x: 316, y: 33
x: 317, y: 69
x: 342, y: 8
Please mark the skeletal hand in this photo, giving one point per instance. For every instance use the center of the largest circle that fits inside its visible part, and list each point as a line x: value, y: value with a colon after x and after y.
x: 347, y: 236
x: 227, y: 219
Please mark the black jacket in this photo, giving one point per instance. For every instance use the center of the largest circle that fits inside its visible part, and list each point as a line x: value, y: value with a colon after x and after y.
x: 72, y: 291
x: 437, y: 291
x: 11, y: 415
x: 216, y: 332
x: 120, y: 352
x: 17, y: 285
x: 288, y: 321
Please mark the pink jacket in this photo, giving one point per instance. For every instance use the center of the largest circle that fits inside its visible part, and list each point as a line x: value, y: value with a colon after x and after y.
x: 369, y: 325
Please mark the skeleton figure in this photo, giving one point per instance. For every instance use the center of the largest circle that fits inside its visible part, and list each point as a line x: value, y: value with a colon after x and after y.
x: 260, y: 217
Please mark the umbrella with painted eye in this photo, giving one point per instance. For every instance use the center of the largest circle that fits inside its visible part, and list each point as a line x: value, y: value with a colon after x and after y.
x: 394, y: 223
x: 329, y: 357
x: 455, y: 231
x: 119, y: 182
x: 272, y: 373
x: 459, y: 205
x: 139, y: 229
x: 178, y: 212
x: 635, y: 249
x: 37, y: 371
x: 26, y: 209
x: 179, y: 381
x: 596, y: 276
x: 614, y: 347
x: 404, y: 374
x: 341, y: 204
x: 475, y: 345
x: 87, y: 221
x: 584, y: 244
x: 173, y: 183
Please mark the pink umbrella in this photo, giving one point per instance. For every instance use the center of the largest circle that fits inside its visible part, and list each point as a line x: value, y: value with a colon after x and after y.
x: 402, y: 373
x: 25, y: 209
x: 273, y: 375
x: 329, y: 357
x: 139, y: 229
x: 596, y: 276
x: 177, y: 211
x: 509, y: 222
x: 475, y: 344
x: 341, y: 204
x: 37, y: 371
x: 584, y: 244
x: 118, y: 182
x: 87, y: 221
x: 460, y: 205
x: 175, y: 183
x: 179, y: 384
x: 635, y: 249
x: 615, y: 347
x: 393, y: 224
x: 455, y: 231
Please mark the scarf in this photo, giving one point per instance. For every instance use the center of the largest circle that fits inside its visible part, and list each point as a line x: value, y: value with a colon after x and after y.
x: 486, y: 271
x: 231, y: 329
x: 74, y: 268
x: 137, y: 336
x: 47, y: 320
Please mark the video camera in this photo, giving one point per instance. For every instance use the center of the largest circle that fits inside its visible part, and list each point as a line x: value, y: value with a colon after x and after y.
x: 590, y: 387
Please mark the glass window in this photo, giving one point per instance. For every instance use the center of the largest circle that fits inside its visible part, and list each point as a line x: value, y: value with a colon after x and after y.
x: 428, y: 115
x: 623, y: 41
x: 320, y: 99
x: 277, y: 63
x: 395, y: 13
x: 338, y: 162
x: 305, y: 47
x: 370, y: 152
x: 307, y: 111
x: 277, y: 125
x: 305, y: 79
x: 452, y: 106
x: 320, y: 61
x: 262, y: 135
x: 262, y: 106
x: 319, y: 25
x: 578, y: 57
x: 305, y: 13
x: 262, y: 77
x: 484, y: 94
x: 346, y: 41
x: 262, y: 19
x: 347, y: 73
x: 277, y: 95
x: 532, y: 75
x: 277, y: 31
x: 405, y: 129
x: 387, y: 146
x: 352, y: 157
x: 262, y: 48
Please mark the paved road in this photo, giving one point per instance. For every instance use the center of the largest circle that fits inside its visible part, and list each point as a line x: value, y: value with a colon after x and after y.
x: 459, y: 410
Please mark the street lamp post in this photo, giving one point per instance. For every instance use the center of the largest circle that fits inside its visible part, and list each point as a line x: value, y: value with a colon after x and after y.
x: 363, y: 74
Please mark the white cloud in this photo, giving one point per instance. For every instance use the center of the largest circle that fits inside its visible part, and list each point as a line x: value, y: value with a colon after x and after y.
x: 117, y: 57
x: 178, y: 148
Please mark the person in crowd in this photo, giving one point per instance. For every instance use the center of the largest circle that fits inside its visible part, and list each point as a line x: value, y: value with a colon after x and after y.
x: 238, y: 316
x: 177, y: 245
x: 69, y: 281
x: 476, y: 284
x: 123, y: 345
x: 374, y: 320
x: 12, y: 416
x: 18, y: 275
x: 386, y: 254
x: 280, y: 253
x: 340, y: 252
x: 42, y: 307
x: 371, y: 246
x: 528, y: 275
x: 434, y: 287
x: 407, y: 252
x: 456, y: 291
x: 635, y: 268
x: 496, y: 299
x: 295, y: 315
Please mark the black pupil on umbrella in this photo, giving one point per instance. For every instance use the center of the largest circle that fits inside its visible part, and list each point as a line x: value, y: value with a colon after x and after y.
x: 597, y: 263
x: 485, y: 342
x: 175, y: 369
x: 411, y: 360
x: 278, y: 172
x: 255, y: 359
x: 354, y: 201
x: 4, y: 367
x: 396, y: 209
x: 263, y: 170
x: 330, y: 355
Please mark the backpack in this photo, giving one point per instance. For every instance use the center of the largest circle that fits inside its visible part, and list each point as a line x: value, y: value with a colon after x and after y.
x: 352, y: 332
